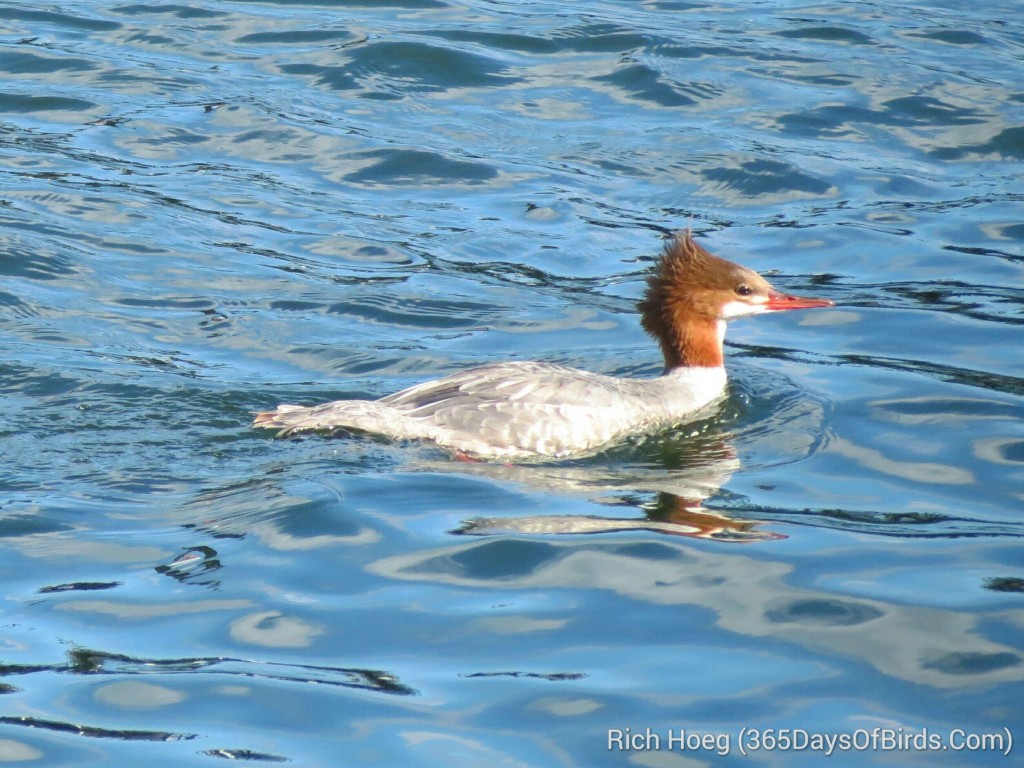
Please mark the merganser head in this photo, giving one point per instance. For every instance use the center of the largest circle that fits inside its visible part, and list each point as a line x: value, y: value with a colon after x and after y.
x: 691, y: 293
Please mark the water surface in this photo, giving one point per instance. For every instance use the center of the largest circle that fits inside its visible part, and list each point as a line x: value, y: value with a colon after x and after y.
x: 209, y: 208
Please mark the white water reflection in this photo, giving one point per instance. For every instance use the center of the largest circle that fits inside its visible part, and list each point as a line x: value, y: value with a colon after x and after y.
x: 753, y: 597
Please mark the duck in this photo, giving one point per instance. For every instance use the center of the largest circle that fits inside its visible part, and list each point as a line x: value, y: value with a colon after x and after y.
x: 525, y: 411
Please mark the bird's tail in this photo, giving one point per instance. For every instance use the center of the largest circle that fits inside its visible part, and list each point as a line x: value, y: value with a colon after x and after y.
x: 288, y: 419
x: 360, y: 415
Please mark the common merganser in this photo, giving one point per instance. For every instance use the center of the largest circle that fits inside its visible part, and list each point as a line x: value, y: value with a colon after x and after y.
x: 523, y: 411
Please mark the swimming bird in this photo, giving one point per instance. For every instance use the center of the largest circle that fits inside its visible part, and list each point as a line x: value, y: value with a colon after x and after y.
x: 528, y: 411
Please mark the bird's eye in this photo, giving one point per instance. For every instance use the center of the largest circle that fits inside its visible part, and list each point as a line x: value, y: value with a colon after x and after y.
x: 744, y: 290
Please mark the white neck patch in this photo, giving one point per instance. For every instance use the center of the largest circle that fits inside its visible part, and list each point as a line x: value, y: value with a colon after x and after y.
x: 740, y: 308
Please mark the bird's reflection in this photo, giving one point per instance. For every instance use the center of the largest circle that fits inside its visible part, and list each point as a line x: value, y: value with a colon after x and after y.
x: 676, y: 471
x: 694, y: 523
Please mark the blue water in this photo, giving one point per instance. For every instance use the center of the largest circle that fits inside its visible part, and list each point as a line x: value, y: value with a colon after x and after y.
x: 211, y: 207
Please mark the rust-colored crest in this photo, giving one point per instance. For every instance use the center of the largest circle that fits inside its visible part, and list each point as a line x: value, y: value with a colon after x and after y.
x: 683, y: 301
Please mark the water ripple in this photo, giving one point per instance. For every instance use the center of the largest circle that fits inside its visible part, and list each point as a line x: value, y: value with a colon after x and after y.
x: 210, y: 208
